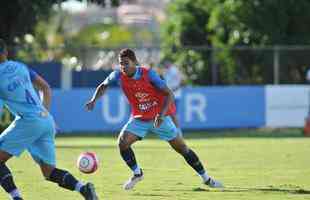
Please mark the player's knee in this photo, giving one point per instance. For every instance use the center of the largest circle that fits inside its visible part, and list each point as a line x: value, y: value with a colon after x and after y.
x: 46, y: 177
x: 47, y: 174
x: 2, y: 162
x: 4, y: 156
x: 47, y: 171
x: 123, y: 144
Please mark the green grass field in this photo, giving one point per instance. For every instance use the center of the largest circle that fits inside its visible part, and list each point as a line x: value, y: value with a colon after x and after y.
x: 252, y: 164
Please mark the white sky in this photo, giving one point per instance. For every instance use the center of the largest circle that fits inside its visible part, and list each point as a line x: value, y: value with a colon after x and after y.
x: 74, y: 6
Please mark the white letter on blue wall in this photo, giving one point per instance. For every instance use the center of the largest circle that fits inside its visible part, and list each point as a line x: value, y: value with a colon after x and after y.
x: 195, y: 105
x: 119, y: 110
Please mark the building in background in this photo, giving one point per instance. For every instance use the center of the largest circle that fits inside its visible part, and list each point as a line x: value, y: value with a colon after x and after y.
x: 141, y: 18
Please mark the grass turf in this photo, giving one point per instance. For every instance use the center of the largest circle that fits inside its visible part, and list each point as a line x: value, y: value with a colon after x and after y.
x: 253, y: 164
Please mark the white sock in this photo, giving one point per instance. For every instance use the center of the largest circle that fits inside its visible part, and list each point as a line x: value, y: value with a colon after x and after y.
x: 78, y: 186
x: 137, y: 170
x: 15, y: 193
x: 205, y: 177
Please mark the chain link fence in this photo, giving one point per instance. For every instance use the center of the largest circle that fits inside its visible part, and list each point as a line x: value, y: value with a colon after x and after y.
x: 239, y: 65
x: 205, y: 65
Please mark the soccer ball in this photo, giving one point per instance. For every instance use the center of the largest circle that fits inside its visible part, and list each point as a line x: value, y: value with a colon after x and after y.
x: 87, y: 162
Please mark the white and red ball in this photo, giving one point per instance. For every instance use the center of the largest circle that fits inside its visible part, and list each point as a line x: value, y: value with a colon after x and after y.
x: 88, y: 162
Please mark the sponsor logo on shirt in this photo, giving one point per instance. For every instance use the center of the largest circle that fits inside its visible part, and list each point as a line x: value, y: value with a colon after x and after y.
x: 9, y: 69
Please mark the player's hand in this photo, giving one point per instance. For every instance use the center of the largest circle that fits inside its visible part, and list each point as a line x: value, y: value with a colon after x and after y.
x: 158, y: 120
x: 90, y: 105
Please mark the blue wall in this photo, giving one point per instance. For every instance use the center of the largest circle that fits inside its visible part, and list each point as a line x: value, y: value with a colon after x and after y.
x: 50, y: 71
x: 200, y: 108
x: 89, y: 78
x: 222, y: 107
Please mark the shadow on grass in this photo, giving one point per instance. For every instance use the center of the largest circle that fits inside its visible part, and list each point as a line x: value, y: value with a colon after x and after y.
x: 209, y: 134
x: 151, y: 195
x: 247, y: 133
x: 90, y: 146
x: 267, y: 189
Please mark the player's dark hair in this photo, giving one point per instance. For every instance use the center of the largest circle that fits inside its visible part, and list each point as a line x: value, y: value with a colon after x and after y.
x: 129, y: 54
x: 2, y: 46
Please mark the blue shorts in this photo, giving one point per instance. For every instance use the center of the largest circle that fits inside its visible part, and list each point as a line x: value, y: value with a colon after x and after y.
x: 167, y: 130
x: 37, y: 135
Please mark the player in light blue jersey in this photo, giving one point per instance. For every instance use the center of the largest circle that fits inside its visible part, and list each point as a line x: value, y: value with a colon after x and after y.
x: 33, y: 128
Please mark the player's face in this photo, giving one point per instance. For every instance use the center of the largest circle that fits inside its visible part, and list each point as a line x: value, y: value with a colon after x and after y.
x: 127, y: 66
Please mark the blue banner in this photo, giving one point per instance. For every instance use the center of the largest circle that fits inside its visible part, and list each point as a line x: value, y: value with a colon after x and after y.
x: 222, y: 107
x: 200, y: 108
x: 110, y: 113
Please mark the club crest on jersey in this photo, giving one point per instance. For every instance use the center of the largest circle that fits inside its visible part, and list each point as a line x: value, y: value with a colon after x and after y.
x: 142, y: 96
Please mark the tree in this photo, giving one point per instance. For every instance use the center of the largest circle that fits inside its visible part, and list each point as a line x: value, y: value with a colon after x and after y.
x: 228, y: 24
x: 185, y: 27
x: 19, y: 17
x: 255, y: 24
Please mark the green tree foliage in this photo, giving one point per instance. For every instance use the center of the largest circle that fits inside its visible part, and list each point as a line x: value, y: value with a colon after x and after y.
x: 260, y: 23
x: 186, y: 26
x: 226, y: 24
x: 45, y: 43
x: 102, y: 35
x: 19, y: 17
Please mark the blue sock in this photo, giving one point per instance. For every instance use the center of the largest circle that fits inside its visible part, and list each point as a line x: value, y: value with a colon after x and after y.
x: 78, y: 186
x: 136, y: 170
x: 130, y: 159
x: 193, y: 160
x: 15, y: 193
x: 63, y: 178
x: 6, y: 179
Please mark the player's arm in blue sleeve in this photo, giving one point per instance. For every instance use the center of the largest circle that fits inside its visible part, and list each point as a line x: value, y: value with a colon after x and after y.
x: 112, y: 78
x: 40, y: 84
x: 33, y: 75
x: 156, y: 80
x: 100, y: 90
